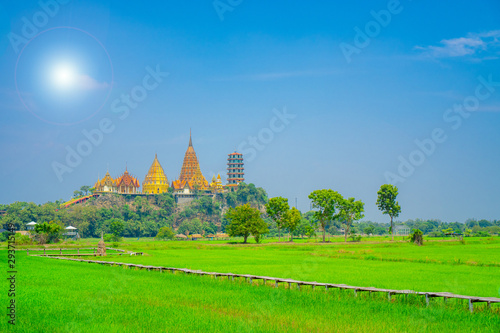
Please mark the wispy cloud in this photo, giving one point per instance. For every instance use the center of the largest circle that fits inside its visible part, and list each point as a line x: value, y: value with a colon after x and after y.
x: 86, y: 82
x: 485, y: 45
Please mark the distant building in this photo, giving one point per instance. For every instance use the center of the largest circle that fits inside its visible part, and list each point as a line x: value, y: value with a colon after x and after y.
x: 235, y: 170
x: 401, y: 230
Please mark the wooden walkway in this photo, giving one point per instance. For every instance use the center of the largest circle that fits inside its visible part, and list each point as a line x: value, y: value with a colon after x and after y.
x: 249, y: 278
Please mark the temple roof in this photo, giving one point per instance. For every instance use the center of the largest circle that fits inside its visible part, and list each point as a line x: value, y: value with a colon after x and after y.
x: 127, y: 180
x: 155, y: 173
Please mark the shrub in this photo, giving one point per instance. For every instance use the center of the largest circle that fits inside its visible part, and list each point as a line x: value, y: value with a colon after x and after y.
x: 417, y: 237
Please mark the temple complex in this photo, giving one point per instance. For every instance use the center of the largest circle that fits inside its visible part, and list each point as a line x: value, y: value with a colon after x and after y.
x: 190, y: 183
x: 155, y: 181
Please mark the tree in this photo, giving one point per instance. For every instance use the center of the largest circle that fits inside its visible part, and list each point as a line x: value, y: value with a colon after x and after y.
x: 116, y: 227
x: 386, y: 202
x: 369, y: 230
x: 165, y: 233
x: 292, y: 219
x: 350, y: 211
x: 244, y: 221
x: 48, y: 232
x: 326, y: 201
x: 276, y: 209
x: 85, y: 189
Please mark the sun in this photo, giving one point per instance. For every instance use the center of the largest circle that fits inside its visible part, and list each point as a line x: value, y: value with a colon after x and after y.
x: 64, y: 76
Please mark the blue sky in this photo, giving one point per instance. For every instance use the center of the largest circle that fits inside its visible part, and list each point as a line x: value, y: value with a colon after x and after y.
x: 345, y: 95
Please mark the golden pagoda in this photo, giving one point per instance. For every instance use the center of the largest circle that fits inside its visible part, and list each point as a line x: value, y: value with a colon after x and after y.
x: 127, y: 184
x: 191, y: 177
x: 216, y: 184
x: 155, y: 181
x: 107, y: 184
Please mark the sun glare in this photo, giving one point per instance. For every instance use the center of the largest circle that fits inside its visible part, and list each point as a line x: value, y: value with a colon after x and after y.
x: 64, y: 76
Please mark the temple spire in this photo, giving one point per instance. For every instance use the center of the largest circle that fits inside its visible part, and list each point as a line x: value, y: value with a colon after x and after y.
x: 190, y: 142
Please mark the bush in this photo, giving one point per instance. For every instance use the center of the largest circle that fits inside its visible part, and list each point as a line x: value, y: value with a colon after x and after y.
x: 165, y: 233
x: 355, y: 238
x: 417, y: 237
x: 22, y: 239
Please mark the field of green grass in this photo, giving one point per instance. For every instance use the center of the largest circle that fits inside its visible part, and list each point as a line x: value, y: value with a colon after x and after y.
x: 63, y: 296
x: 470, y: 269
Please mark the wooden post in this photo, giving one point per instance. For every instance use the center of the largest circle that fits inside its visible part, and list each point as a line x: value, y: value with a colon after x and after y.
x: 78, y: 251
x: 488, y: 305
x: 355, y: 293
x: 60, y: 251
x: 326, y: 287
x: 389, y: 296
x: 27, y: 252
x: 313, y: 286
x: 427, y: 299
x: 289, y: 285
x: 276, y: 284
x: 445, y: 299
x: 471, y: 306
x: 298, y: 286
x: 43, y: 251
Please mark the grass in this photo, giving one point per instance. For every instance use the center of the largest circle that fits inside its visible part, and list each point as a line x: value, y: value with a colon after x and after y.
x: 471, y: 269
x: 62, y: 296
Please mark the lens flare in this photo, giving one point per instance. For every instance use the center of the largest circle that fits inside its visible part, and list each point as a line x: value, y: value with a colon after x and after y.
x: 64, y: 76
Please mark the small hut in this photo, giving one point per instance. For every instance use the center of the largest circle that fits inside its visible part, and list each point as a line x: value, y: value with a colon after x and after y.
x: 180, y: 236
x: 196, y: 236
x: 31, y: 226
x: 71, y: 232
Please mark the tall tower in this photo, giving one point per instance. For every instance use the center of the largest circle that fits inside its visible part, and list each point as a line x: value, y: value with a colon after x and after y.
x: 235, y: 170
x: 191, y: 175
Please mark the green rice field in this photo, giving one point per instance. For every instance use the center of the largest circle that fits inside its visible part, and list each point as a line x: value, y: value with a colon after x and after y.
x: 63, y: 296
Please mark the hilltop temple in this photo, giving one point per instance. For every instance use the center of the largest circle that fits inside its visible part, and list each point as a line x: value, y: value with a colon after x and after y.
x: 190, y: 182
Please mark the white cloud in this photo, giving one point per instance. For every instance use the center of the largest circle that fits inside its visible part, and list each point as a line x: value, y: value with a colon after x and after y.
x: 87, y: 83
x: 474, y: 44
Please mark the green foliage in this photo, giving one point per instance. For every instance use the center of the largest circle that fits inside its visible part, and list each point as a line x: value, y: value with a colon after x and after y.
x: 246, y: 193
x: 244, y: 221
x: 48, y: 232
x: 116, y: 227
x: 292, y: 218
x: 327, y: 202
x: 386, y: 202
x: 369, y: 230
x: 22, y: 239
x: 417, y: 237
x: 276, y: 209
x: 349, y: 211
x: 165, y: 233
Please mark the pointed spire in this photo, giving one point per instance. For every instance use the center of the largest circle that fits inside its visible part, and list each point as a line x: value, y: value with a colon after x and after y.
x: 190, y: 141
